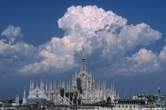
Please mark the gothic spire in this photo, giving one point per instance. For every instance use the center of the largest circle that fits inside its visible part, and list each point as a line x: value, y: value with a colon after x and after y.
x: 31, y: 85
x: 24, y: 97
x: 24, y: 94
x: 83, y: 60
x: 41, y: 85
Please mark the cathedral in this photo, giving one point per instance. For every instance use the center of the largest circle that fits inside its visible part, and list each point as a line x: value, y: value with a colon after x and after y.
x: 82, y: 89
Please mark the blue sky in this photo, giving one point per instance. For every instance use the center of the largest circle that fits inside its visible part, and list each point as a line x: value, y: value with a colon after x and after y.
x: 38, y: 23
x: 39, y: 18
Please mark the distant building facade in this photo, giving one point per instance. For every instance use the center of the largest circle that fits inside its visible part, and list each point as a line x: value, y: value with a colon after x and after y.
x: 83, y: 90
x: 83, y: 84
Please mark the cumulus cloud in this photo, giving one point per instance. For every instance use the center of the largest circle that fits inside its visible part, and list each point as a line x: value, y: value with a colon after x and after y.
x: 162, y: 54
x: 143, y: 55
x: 13, y: 51
x: 144, y: 61
x: 55, y: 56
x: 162, y: 58
x: 89, y: 18
x: 92, y: 25
x: 12, y: 33
x: 106, y: 37
x: 140, y: 34
x: 95, y: 29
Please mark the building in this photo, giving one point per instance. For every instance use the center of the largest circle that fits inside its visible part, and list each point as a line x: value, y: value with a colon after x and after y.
x: 82, y: 88
x: 84, y: 91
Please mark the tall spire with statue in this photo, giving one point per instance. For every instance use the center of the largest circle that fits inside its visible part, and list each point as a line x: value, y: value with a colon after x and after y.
x: 24, y: 100
x: 83, y: 60
x: 83, y: 81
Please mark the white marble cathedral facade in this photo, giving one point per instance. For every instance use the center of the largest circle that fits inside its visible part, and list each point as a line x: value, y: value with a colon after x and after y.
x: 83, y: 83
